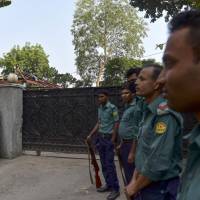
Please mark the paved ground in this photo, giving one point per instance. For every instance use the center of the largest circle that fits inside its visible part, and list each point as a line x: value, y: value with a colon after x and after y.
x: 47, y: 177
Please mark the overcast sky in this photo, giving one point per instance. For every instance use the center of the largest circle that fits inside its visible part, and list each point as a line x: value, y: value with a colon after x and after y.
x: 48, y: 22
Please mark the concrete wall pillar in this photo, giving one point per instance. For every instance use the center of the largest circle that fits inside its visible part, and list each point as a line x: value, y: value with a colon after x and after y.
x: 11, y: 109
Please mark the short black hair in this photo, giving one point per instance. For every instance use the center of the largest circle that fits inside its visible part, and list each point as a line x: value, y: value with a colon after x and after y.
x: 191, y: 20
x: 157, y: 70
x: 133, y: 70
x: 105, y: 92
x: 130, y: 86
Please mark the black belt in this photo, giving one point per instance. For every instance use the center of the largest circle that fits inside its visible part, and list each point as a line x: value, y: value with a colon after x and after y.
x: 164, y: 181
x: 127, y: 140
x: 106, y: 136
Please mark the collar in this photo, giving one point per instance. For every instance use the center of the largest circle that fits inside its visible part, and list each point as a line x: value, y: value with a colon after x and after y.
x: 106, y: 105
x: 154, y: 104
x: 138, y: 98
x: 194, y: 136
x: 132, y: 103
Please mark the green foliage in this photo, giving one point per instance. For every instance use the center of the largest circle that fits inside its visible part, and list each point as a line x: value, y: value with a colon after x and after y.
x: 65, y: 80
x: 102, y: 30
x: 33, y: 60
x: 115, y: 70
x: 30, y: 58
x: 160, y: 46
x: 155, y: 9
x: 149, y: 62
x: 194, y: 3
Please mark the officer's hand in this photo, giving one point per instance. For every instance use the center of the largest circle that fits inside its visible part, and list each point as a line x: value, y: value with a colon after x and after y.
x: 113, y: 139
x: 131, y: 158
x: 130, y: 189
x: 118, y: 147
x: 88, y: 139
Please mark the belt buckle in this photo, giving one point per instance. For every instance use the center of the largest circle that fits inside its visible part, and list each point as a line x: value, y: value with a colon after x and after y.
x: 127, y: 140
x: 102, y: 135
x: 106, y: 136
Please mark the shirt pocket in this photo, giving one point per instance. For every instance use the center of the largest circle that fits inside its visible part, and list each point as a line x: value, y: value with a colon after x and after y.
x: 147, y: 138
x: 109, y: 114
x: 126, y: 117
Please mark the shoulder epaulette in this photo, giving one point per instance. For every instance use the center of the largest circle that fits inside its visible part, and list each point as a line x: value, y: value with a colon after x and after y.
x: 162, y: 108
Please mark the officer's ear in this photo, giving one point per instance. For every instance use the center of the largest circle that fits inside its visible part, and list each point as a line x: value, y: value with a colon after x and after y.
x: 156, y: 86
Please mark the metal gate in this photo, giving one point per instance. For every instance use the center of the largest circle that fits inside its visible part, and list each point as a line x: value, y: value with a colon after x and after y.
x: 60, y: 119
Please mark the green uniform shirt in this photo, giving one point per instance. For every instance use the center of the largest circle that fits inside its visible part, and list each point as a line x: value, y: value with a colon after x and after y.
x: 107, y: 116
x: 140, y: 105
x: 189, y: 188
x: 128, y: 127
x: 158, y: 154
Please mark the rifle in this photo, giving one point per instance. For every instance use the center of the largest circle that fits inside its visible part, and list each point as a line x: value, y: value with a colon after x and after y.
x: 93, y: 161
x: 122, y: 171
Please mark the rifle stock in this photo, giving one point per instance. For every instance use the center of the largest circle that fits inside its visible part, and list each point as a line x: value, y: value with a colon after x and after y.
x: 95, y: 165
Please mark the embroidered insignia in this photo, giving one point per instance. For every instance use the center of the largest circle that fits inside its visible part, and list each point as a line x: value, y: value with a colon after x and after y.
x: 114, y: 114
x: 162, y: 108
x: 161, y: 128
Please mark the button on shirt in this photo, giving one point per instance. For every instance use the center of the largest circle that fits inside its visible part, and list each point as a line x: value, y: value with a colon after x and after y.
x: 158, y: 154
x: 128, y: 127
x: 107, y: 117
x: 190, y: 188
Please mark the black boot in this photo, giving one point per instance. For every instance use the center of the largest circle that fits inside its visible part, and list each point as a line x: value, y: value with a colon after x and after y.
x: 104, y: 188
x: 113, y: 195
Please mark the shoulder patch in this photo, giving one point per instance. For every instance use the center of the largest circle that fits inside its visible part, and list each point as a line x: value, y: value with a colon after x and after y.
x: 160, y: 128
x: 162, y: 108
x: 114, y: 114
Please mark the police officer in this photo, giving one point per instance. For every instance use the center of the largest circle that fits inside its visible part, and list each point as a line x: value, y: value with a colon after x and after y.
x: 128, y: 130
x: 158, y: 154
x: 182, y: 89
x: 106, y: 126
x: 131, y: 77
x: 132, y: 74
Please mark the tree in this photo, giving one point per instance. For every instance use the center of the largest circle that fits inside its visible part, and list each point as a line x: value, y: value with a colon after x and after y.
x: 5, y: 3
x: 155, y: 8
x: 116, y: 68
x: 65, y: 80
x: 30, y: 59
x: 102, y: 30
x: 148, y: 62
